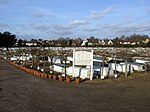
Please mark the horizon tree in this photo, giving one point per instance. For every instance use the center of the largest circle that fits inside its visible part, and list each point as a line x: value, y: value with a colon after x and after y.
x: 7, y: 39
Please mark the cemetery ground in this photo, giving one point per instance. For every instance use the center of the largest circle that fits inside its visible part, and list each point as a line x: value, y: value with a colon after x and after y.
x: 23, y: 92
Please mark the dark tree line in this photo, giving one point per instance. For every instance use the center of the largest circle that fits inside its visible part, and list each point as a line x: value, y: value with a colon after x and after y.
x: 7, y: 39
x: 137, y: 40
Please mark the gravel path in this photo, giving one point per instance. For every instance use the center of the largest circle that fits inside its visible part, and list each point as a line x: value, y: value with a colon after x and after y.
x: 22, y: 92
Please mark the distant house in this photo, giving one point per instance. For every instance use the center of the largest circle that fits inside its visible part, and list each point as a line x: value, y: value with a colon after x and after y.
x: 110, y: 42
x: 106, y: 42
x: 146, y: 41
x: 126, y: 43
x: 88, y: 42
x: 103, y: 42
x: 84, y: 42
x: 31, y: 44
x: 133, y: 43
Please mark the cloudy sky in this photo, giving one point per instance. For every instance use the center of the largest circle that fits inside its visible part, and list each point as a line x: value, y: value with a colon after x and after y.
x: 51, y: 19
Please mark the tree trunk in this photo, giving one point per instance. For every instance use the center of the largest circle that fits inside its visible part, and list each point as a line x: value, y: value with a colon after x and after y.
x: 38, y: 63
x: 115, y: 66
x: 103, y: 66
x: 44, y: 63
x: 51, y: 63
x: 126, y: 72
x: 32, y: 61
x: 145, y: 68
x: 65, y: 68
x: 7, y: 48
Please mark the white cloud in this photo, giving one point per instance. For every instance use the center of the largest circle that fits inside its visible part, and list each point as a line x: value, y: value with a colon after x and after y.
x: 67, y: 29
x: 101, y: 14
x: 38, y: 14
x: 3, y: 26
x: 90, y: 29
x: 63, y: 27
x: 79, y: 22
x: 56, y: 30
x: 42, y: 27
x: 70, y: 26
x: 62, y: 33
x: 128, y: 28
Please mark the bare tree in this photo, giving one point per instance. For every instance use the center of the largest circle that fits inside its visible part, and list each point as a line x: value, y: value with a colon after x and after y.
x: 51, y: 53
x: 20, y: 53
x: 38, y: 54
x: 33, y: 52
x: 64, y: 54
x: 124, y: 54
x: 104, y: 56
x: 26, y: 54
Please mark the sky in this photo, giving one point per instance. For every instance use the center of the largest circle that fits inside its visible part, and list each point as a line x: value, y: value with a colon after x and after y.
x: 52, y: 19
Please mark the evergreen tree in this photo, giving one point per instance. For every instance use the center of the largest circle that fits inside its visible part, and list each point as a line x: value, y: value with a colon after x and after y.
x: 7, y: 39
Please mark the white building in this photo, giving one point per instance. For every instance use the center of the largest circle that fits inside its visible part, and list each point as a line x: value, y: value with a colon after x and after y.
x: 31, y: 44
x: 84, y: 42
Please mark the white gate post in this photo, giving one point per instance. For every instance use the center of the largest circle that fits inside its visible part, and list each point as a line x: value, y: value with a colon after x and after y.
x: 73, y: 62
x: 91, y: 77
